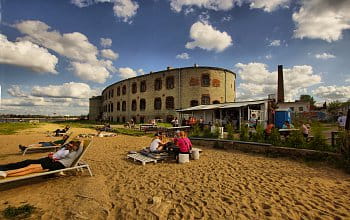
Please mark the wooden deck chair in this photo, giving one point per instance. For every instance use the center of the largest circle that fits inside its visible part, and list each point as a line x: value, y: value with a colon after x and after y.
x: 55, y: 147
x: 76, y: 165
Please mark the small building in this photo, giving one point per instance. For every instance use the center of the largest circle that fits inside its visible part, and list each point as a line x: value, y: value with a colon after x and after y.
x: 295, y: 107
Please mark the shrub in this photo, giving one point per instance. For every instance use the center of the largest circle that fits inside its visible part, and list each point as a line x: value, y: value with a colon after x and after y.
x: 195, y: 131
x: 274, y: 138
x: 296, y: 140
x: 229, y: 129
x: 207, y: 133
x: 259, y: 135
x: 244, y: 133
x: 318, y: 142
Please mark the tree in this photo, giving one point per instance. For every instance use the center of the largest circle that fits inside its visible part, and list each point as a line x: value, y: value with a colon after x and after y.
x: 333, y: 107
x: 308, y: 98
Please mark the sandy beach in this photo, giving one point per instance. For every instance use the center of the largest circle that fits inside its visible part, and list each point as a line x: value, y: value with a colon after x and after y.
x: 220, y: 185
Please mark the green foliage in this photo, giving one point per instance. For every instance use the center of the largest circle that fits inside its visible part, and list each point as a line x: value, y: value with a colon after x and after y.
x: 126, y: 131
x: 259, y: 135
x: 244, y: 133
x: 164, y: 125
x: 79, y: 123
x: 274, y: 138
x: 296, y: 140
x: 195, y: 131
x: 318, y: 142
x: 13, y: 127
x: 216, y: 133
x: 308, y: 98
x: 333, y: 107
x: 207, y: 133
x: 229, y: 129
x: 21, y: 212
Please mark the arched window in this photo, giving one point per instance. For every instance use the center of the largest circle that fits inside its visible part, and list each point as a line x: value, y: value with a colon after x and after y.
x: 169, y: 102
x: 124, y: 106
x: 194, y: 103
x: 205, y: 80
x: 124, y: 90
x: 205, y: 100
x: 142, y: 104
x: 143, y: 86
x: 118, y: 106
x: 112, y: 107
x: 123, y: 119
x: 118, y: 119
x: 216, y: 102
x: 133, y: 105
x: 134, y: 88
x: 157, y: 103
x: 112, y: 93
x: 158, y: 84
x: 108, y: 107
x: 118, y: 91
x: 170, y: 80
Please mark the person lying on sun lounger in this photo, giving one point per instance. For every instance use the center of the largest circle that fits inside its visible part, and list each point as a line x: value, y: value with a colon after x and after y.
x: 54, y: 161
x: 45, y: 144
x: 64, y: 130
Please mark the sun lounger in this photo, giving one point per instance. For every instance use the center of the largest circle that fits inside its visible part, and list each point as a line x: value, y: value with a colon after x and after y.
x: 76, y: 165
x: 55, y: 147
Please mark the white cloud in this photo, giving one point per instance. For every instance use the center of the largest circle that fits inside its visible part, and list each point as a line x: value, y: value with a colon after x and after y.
x: 275, y: 43
x: 333, y: 92
x: 207, y: 37
x: 226, y: 18
x: 188, y: 11
x: 109, y: 54
x: 224, y: 5
x: 347, y: 80
x: 16, y: 91
x: 75, y: 46
x: 27, y: 101
x: 258, y: 82
x: 82, y: 3
x: 325, y: 56
x: 26, y: 54
x: 87, y: 71
x: 269, y: 5
x: 66, y: 90
x: 125, y: 9
x: 126, y: 72
x: 322, y: 19
x: 183, y: 56
x: 268, y: 56
x: 105, y: 42
x: 141, y: 72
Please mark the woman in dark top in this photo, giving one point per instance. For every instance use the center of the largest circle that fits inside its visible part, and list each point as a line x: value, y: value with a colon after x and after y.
x: 46, y: 144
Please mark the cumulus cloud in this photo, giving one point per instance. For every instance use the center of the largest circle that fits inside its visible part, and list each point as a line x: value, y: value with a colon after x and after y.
x: 66, y: 90
x: 258, y: 81
x: 109, y: 54
x: 75, y: 46
x: 183, y: 56
x: 16, y: 91
x: 325, y: 56
x: 105, y: 42
x: 208, y: 38
x: 26, y: 54
x: 126, y: 72
x: 141, y: 72
x: 224, y: 5
x: 333, y: 92
x: 27, y: 101
x: 322, y: 19
x: 275, y: 43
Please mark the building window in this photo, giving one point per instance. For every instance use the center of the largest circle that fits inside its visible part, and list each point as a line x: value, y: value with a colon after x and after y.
x: 301, y: 109
x: 157, y: 103
x: 108, y: 107
x: 292, y: 109
x: 123, y: 119
x: 170, y: 80
x: 158, y: 84
x: 124, y: 106
x: 194, y: 103
x: 142, y: 119
x: 118, y: 106
x: 216, y: 102
x: 118, y: 91
x: 143, y: 86
x: 112, y: 93
x: 124, y: 90
x: 142, y: 104
x: 169, y: 102
x: 133, y: 105
x: 112, y: 107
x: 134, y: 88
x: 205, y: 100
x: 205, y: 80
x: 118, y: 119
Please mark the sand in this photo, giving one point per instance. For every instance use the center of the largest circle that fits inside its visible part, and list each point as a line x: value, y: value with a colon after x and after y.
x: 220, y: 185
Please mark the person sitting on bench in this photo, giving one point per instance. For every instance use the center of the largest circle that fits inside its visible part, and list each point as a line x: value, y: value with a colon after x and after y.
x: 54, y: 161
x: 45, y: 144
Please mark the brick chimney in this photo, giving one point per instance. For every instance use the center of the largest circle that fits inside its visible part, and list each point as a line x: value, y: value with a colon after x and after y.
x: 280, y: 85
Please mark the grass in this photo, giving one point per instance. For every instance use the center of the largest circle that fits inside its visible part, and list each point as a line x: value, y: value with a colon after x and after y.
x: 79, y: 124
x: 127, y: 131
x: 20, y: 212
x: 14, y: 127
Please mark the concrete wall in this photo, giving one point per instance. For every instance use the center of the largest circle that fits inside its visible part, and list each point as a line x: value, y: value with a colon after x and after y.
x: 294, y: 106
x: 187, y: 87
x: 95, y: 104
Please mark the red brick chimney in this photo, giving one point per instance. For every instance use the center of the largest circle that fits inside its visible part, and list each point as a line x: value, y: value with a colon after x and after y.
x: 280, y: 85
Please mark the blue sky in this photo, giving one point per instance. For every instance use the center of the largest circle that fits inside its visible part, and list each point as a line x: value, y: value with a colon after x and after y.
x: 56, y: 54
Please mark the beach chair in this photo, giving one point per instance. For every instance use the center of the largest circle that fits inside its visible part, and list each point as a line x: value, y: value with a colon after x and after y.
x: 39, y: 149
x: 76, y: 165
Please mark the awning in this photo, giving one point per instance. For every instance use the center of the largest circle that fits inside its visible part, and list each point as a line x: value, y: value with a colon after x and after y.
x: 222, y: 106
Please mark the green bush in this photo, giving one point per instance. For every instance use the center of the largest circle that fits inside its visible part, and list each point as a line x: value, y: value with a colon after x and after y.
x: 229, y: 129
x: 244, y: 133
x: 259, y: 135
x: 318, y: 142
x: 21, y: 212
x: 274, y: 138
x: 295, y: 140
x: 207, y: 133
x: 195, y: 131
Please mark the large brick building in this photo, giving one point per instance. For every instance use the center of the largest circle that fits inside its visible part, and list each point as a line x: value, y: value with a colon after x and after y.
x: 159, y: 94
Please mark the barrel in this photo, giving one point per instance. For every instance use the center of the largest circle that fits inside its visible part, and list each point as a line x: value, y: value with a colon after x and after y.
x: 184, y: 158
x: 195, y: 154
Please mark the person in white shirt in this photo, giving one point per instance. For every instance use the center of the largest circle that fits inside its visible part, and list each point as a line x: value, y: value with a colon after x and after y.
x: 156, y: 144
x: 341, y: 121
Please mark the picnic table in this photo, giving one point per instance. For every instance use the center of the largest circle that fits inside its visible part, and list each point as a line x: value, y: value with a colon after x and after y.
x: 148, y: 127
x: 286, y: 131
x: 170, y: 131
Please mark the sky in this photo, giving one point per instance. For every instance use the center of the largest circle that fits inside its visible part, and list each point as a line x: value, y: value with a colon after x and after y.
x: 54, y: 55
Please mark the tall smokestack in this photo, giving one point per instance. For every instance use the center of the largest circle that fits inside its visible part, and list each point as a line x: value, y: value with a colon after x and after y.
x: 280, y: 85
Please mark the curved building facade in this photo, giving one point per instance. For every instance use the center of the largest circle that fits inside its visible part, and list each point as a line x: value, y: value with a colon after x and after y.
x: 159, y: 94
